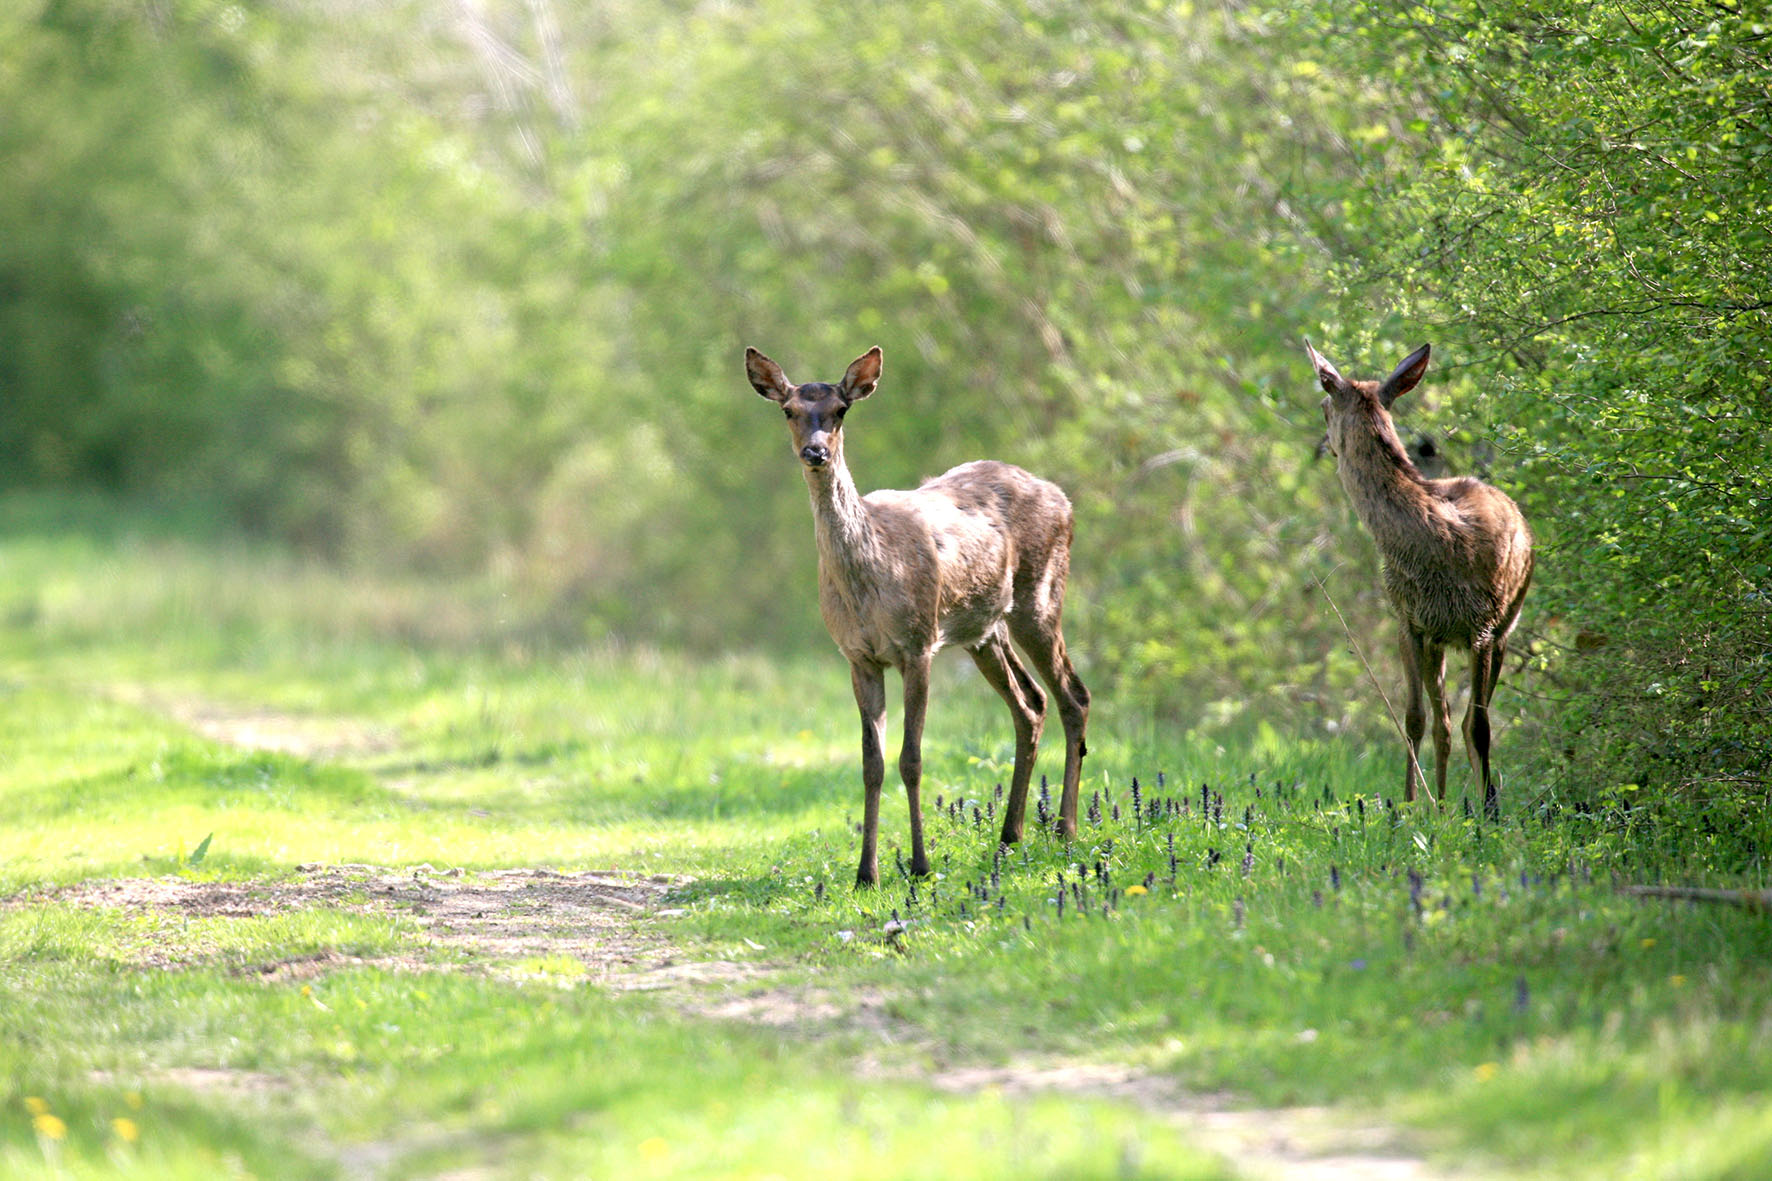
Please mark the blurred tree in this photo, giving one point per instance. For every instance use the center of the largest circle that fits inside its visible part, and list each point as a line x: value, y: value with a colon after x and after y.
x: 1047, y: 217
x: 234, y: 273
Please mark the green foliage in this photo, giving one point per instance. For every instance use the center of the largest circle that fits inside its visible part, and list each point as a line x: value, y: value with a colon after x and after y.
x: 511, y: 343
x: 1032, y: 209
x: 238, y: 275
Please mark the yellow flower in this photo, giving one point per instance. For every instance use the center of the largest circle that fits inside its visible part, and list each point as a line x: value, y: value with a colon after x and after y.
x: 654, y: 1149
x: 35, y: 1105
x: 1677, y: 980
x: 1646, y: 944
x: 48, y: 1126
x: 126, y: 1129
x: 1486, y: 1071
x: 1133, y: 891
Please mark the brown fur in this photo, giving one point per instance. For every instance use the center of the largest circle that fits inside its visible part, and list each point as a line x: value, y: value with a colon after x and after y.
x: 974, y: 558
x: 1457, y: 559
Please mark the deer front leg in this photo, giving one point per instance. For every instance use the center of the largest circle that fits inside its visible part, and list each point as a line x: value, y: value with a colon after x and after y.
x: 869, y: 682
x: 910, y: 756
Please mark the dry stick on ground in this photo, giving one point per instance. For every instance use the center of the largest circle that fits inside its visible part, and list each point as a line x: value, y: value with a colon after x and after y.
x: 1759, y: 901
x: 1370, y: 675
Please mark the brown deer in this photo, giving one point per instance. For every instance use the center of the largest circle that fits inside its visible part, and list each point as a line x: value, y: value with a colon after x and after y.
x: 973, y: 558
x: 1457, y: 560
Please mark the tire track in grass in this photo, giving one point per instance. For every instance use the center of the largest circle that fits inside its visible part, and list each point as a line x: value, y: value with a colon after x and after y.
x: 1285, y: 1144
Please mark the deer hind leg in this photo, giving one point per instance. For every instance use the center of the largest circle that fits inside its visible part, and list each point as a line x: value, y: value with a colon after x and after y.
x: 910, y: 755
x: 996, y: 660
x: 1488, y: 665
x: 869, y: 682
x: 1414, y: 718
x: 1043, y: 643
x: 1485, y: 669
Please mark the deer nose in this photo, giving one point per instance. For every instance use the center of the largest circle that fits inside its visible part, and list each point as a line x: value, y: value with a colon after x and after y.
x: 815, y: 454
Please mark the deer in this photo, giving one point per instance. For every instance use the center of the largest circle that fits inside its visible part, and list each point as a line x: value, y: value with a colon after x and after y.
x: 975, y: 558
x: 1457, y: 557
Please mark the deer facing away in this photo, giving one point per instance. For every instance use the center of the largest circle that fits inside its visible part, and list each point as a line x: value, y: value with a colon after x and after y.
x: 972, y: 558
x: 1457, y: 560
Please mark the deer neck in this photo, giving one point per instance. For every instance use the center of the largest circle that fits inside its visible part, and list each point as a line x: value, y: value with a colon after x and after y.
x: 848, y: 546
x: 1389, y: 493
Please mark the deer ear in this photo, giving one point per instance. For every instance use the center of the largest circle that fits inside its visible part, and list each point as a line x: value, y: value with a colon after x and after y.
x: 862, y: 377
x: 1404, y: 377
x: 766, y: 376
x: 1331, y: 381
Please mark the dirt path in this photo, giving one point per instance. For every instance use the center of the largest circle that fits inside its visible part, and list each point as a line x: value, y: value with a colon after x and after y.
x: 1290, y: 1143
x: 602, y: 928
x: 1313, y: 1143
x: 574, y: 927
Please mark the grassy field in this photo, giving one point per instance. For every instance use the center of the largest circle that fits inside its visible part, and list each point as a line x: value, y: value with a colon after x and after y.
x: 191, y: 730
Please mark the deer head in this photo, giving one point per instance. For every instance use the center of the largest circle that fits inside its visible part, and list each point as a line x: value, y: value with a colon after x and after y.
x: 815, y: 410
x: 1342, y: 397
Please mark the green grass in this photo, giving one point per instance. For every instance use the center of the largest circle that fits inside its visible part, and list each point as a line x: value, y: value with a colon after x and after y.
x: 1480, y: 984
x: 415, y: 1071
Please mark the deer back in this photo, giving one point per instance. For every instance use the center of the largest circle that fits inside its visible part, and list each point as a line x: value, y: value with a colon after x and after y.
x: 948, y: 561
x: 1457, y: 552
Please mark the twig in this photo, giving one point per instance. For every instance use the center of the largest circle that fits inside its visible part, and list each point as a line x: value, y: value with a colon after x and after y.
x: 1759, y: 901
x: 1414, y: 762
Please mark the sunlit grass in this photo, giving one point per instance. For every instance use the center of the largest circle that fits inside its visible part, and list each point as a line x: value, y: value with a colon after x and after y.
x: 54, y: 934
x: 421, y: 1071
x: 1266, y: 918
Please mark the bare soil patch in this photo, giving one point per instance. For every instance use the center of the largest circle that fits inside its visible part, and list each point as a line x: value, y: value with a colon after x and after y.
x: 255, y: 1083
x: 1314, y: 1143
x: 526, y: 921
